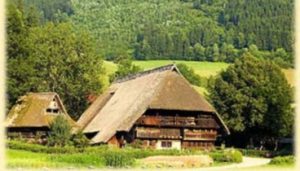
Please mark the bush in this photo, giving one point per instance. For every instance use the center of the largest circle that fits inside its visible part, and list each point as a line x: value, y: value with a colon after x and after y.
x: 228, y: 155
x: 218, y: 157
x: 255, y: 153
x: 80, y: 140
x: 189, y: 74
x: 136, y: 144
x: 234, y: 156
x: 286, y: 160
x: 60, y: 132
x: 118, y: 159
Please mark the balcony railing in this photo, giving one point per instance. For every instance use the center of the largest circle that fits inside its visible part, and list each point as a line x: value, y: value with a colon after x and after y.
x: 178, y: 121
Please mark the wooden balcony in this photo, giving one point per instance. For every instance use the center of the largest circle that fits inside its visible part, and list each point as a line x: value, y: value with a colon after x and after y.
x: 178, y: 121
x: 158, y: 133
x: 208, y: 135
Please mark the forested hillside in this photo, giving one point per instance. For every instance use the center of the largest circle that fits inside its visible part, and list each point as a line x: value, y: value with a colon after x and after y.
x: 202, y: 30
x: 58, y: 45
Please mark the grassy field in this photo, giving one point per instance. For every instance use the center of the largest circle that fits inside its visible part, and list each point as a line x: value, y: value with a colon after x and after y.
x: 27, y: 159
x: 24, y: 159
x: 203, y: 69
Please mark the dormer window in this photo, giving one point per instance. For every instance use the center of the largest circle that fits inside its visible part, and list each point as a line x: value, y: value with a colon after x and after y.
x: 53, y: 108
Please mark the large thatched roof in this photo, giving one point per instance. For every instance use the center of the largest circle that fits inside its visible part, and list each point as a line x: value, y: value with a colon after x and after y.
x: 127, y: 99
x: 30, y: 111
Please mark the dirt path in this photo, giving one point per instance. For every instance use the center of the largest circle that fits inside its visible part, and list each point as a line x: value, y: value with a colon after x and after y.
x: 247, y: 162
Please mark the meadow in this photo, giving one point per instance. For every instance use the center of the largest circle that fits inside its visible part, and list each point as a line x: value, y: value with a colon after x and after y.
x: 203, y: 69
x: 26, y: 159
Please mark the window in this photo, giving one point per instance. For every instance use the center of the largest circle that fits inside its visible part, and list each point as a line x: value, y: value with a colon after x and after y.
x: 52, y: 111
x: 166, y: 144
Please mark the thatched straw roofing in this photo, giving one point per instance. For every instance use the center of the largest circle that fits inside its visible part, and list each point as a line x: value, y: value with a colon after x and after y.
x: 30, y: 111
x: 127, y: 99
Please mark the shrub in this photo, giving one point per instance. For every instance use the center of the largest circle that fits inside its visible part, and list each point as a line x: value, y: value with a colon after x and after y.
x: 228, y: 155
x: 60, y: 132
x: 286, y: 160
x: 80, y: 140
x: 189, y: 74
x: 118, y: 159
x: 233, y: 155
x: 136, y: 144
x: 255, y: 153
x: 218, y: 157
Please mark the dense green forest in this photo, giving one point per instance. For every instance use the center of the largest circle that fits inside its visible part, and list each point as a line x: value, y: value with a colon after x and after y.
x: 60, y: 45
x: 202, y: 30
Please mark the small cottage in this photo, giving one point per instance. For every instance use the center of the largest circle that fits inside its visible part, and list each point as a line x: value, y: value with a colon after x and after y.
x: 32, y: 114
x: 158, y: 108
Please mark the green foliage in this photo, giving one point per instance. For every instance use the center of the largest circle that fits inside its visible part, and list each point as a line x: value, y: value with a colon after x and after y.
x: 233, y: 155
x: 118, y: 159
x: 96, y: 156
x: 80, y: 140
x: 38, y: 160
x: 36, y: 148
x: 253, y: 94
x: 254, y: 153
x: 189, y: 74
x: 60, y: 132
x: 136, y: 144
x: 51, y: 10
x: 51, y: 58
x: 189, y: 30
x: 124, y: 67
x: 227, y: 155
x: 286, y: 160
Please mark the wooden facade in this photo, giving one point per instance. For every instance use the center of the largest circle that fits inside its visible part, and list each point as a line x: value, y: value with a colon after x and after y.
x: 172, y: 129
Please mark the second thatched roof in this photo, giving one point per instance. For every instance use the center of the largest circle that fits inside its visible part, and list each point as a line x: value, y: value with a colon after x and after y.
x: 31, y: 111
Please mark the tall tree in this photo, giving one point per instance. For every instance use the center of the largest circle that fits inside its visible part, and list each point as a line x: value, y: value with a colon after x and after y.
x: 125, y: 67
x: 59, y: 61
x: 253, y: 96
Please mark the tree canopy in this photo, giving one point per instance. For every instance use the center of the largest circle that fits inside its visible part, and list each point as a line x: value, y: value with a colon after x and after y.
x: 51, y: 57
x: 189, y: 74
x: 253, y: 94
x: 204, y: 30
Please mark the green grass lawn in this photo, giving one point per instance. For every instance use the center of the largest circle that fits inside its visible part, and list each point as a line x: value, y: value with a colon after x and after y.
x: 27, y: 159
x: 204, y: 69
x: 33, y: 160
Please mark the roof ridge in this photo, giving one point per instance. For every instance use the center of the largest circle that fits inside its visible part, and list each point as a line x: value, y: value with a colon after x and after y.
x: 143, y: 73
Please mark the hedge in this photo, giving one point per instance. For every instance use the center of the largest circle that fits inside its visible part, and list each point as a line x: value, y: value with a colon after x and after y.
x: 283, y: 160
x: 227, y: 155
x: 255, y: 153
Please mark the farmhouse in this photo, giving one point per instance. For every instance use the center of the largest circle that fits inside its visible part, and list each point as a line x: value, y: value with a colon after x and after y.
x: 32, y: 114
x: 157, y: 108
